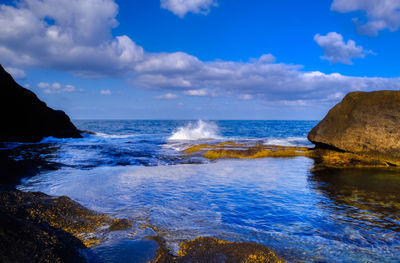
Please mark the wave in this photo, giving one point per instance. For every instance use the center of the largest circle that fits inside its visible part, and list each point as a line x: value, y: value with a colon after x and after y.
x: 201, y: 130
x: 116, y: 136
x: 290, y: 141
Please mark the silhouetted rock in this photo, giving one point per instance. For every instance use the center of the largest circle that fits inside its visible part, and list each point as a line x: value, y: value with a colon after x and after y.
x: 363, y: 123
x: 25, y: 118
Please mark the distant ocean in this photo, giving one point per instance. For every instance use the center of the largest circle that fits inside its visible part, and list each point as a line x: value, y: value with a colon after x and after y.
x: 136, y: 170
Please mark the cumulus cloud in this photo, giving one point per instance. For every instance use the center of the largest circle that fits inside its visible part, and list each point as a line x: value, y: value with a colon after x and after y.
x: 167, y: 96
x: 182, y: 7
x: 67, y: 35
x: 105, y: 92
x: 75, y: 36
x: 196, y: 92
x: 338, y: 51
x: 55, y: 88
x: 380, y: 15
x: 286, y: 83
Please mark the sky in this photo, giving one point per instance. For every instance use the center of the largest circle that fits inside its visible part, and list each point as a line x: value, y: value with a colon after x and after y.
x: 200, y: 59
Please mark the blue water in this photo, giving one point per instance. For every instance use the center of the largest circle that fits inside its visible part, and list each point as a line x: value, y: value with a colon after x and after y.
x: 136, y: 170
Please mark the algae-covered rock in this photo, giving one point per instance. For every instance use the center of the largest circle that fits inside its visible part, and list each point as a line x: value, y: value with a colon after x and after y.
x: 36, y: 227
x: 242, y: 150
x: 364, y: 123
x: 212, y: 250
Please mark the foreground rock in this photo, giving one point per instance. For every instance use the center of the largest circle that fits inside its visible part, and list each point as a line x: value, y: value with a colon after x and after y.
x: 212, y: 250
x: 366, y: 124
x: 25, y: 118
x: 35, y: 227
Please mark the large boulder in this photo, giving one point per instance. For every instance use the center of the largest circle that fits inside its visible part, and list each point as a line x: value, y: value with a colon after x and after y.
x: 25, y: 118
x: 364, y: 123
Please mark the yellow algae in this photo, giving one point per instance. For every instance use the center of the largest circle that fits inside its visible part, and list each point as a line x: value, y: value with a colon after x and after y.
x: 335, y: 159
x: 63, y: 213
x: 209, y: 249
x: 234, y: 150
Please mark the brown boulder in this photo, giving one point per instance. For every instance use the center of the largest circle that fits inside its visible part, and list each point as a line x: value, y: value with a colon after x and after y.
x: 364, y: 123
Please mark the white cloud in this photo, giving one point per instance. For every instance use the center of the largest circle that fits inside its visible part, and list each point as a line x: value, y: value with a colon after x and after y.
x: 167, y: 96
x: 55, y: 88
x: 182, y: 7
x: 196, y: 92
x: 67, y: 35
x: 105, y: 92
x: 286, y: 83
x: 337, y: 51
x: 246, y: 97
x: 380, y: 14
x: 16, y: 73
x: 52, y: 34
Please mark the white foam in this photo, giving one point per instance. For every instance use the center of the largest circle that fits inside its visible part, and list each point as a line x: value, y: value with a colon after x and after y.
x: 290, y: 141
x: 201, y: 130
x: 115, y: 136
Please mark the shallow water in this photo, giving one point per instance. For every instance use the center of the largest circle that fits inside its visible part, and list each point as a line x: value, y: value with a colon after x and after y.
x: 326, y: 216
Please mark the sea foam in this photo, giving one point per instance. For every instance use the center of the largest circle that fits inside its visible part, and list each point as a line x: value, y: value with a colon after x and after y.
x: 200, y: 130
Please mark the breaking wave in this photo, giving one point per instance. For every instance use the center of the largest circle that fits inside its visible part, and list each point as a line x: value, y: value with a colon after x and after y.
x: 200, y: 130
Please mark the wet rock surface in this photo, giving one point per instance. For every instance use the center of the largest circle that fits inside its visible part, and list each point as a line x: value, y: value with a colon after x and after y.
x: 243, y: 150
x: 212, y: 250
x: 363, y: 123
x: 36, y: 227
x: 324, y: 158
x: 25, y: 118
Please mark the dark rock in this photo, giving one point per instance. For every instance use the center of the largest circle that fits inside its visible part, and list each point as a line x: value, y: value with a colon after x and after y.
x: 24, y: 238
x: 25, y: 118
x: 35, y: 227
x: 363, y: 123
x: 209, y: 250
x: 24, y: 161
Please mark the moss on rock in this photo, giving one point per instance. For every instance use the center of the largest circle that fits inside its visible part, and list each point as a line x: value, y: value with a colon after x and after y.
x: 209, y: 250
x: 42, y: 227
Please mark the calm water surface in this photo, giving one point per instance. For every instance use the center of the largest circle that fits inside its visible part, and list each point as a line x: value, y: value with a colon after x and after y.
x: 135, y: 170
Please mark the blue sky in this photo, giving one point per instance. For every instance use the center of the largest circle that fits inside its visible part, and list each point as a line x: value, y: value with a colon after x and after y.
x: 200, y: 59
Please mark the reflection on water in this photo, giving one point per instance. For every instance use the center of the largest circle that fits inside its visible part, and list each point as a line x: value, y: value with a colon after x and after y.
x: 368, y: 199
x: 333, y: 215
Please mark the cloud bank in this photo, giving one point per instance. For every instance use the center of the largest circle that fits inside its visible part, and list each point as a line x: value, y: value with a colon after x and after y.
x: 337, y: 51
x: 380, y: 14
x: 52, y: 34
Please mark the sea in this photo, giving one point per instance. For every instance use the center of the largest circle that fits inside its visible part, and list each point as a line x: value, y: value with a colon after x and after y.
x: 136, y: 169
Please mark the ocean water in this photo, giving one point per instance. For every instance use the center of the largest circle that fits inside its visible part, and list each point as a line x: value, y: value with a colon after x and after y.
x: 136, y: 170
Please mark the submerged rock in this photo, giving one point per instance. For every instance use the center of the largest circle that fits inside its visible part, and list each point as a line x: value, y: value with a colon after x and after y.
x: 35, y: 227
x: 241, y: 150
x: 25, y: 118
x: 210, y: 250
x: 363, y: 123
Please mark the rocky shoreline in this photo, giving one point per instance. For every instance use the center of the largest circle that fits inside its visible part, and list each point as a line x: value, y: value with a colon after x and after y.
x: 361, y: 131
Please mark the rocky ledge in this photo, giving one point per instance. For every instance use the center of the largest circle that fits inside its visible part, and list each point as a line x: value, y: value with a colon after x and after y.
x: 25, y: 118
x: 35, y: 227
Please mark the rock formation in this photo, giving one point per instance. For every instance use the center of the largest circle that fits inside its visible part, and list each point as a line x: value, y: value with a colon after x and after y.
x: 35, y: 227
x: 25, y: 118
x: 363, y: 123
